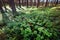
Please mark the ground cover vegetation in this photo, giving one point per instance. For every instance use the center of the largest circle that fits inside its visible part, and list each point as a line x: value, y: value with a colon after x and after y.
x: 33, y: 24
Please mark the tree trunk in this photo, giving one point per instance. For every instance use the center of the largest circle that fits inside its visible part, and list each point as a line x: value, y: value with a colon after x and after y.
x: 38, y: 3
x: 42, y: 2
x: 46, y: 3
x: 22, y: 2
x: 27, y: 3
x: 34, y: 2
x: 19, y: 3
x: 12, y: 5
x: 56, y: 2
x: 4, y: 4
x: 4, y: 16
x: 31, y: 2
x: 1, y: 9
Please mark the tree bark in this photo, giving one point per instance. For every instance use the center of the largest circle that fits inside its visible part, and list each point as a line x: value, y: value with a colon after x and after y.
x: 31, y: 2
x: 46, y: 3
x: 1, y: 9
x: 56, y: 2
x: 12, y: 5
x: 27, y: 3
x: 4, y: 16
x: 4, y: 4
x: 38, y: 3
x: 34, y: 2
x: 20, y: 3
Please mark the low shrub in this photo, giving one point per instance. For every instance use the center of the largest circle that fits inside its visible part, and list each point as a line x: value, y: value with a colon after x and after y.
x: 34, y: 26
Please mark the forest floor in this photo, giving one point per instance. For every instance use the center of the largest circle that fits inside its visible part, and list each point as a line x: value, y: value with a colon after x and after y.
x: 46, y: 19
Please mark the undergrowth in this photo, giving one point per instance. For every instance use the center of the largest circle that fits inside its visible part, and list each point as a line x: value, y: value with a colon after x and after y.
x: 38, y: 24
